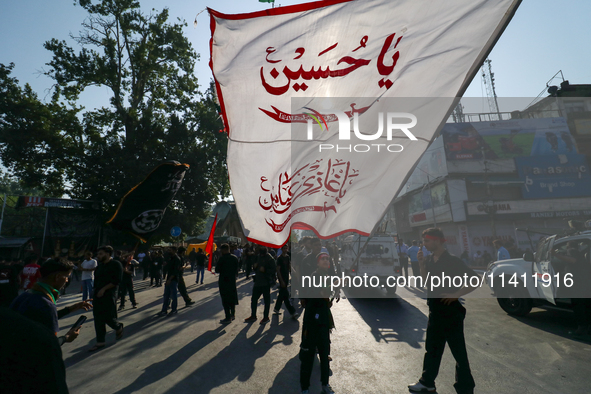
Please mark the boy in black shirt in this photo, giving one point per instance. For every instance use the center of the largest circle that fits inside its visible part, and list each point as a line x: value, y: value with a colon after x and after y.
x: 318, y: 323
x: 446, y: 313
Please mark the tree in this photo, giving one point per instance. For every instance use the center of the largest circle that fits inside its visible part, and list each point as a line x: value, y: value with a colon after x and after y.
x: 155, y: 113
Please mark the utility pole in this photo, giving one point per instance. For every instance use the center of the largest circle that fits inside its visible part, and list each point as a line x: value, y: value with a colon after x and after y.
x: 431, y: 201
x: 488, y: 77
x: 489, y: 205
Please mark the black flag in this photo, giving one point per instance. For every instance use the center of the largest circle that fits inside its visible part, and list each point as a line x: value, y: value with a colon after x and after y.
x: 141, y: 210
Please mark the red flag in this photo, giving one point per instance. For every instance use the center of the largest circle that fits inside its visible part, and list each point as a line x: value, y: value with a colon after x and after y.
x: 209, y: 246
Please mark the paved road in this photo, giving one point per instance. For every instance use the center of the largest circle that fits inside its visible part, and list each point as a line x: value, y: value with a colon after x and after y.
x: 377, y: 347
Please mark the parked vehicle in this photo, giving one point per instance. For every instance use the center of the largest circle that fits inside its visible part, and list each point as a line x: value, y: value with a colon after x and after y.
x: 378, y: 258
x: 521, y: 284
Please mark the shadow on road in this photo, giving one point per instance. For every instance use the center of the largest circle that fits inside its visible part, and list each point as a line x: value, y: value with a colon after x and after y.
x: 237, y: 360
x: 553, y: 321
x: 392, y: 319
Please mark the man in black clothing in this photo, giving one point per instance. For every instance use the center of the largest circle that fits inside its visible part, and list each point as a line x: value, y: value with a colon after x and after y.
x: 200, y: 259
x: 249, y: 260
x: 446, y: 314
x: 156, y: 269
x: 106, y: 282
x: 182, y: 286
x: 127, y: 283
x: 147, y: 265
x: 308, y: 264
x: 318, y: 322
x: 227, y: 267
x: 173, y: 272
x: 192, y: 259
x: 283, y: 270
x: 264, y: 269
x: 30, y: 357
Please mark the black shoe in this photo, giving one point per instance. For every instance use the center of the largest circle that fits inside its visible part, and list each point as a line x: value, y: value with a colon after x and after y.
x: 134, y: 306
x: 121, y: 307
x: 161, y: 314
x: 171, y: 313
x: 227, y: 320
x: 190, y: 302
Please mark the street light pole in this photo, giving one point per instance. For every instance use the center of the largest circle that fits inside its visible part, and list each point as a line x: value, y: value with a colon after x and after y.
x: 2, y: 218
x: 431, y: 201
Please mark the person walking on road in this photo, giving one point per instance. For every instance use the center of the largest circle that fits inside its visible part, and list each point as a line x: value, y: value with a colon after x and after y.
x: 173, y: 270
x: 107, y: 278
x: 318, y: 322
x: 283, y: 270
x: 412, y: 255
x: 88, y: 267
x: 181, y: 280
x: 264, y: 268
x: 200, y: 259
x: 227, y: 267
x: 403, y: 257
x: 156, y: 269
x: 127, y: 282
x: 446, y: 315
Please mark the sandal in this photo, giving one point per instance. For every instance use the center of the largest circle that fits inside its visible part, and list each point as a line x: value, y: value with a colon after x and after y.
x: 95, y: 348
x: 119, y: 333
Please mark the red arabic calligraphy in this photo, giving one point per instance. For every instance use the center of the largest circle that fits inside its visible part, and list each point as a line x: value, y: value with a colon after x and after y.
x: 320, y: 72
x: 382, y: 68
x: 328, y: 178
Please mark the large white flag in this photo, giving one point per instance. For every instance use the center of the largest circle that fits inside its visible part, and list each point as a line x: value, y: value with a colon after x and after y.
x: 304, y: 88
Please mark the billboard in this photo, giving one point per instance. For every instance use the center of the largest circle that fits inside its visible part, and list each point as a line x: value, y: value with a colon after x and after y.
x: 507, y: 139
x: 554, y: 176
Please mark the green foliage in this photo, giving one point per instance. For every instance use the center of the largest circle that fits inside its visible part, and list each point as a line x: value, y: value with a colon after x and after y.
x: 155, y: 113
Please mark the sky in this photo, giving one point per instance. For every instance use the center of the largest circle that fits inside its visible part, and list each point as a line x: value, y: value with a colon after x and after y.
x: 544, y: 37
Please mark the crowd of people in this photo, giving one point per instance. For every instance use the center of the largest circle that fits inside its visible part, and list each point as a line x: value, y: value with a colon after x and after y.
x: 107, y: 280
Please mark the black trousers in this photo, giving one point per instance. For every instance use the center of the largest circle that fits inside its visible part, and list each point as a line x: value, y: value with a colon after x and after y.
x: 415, y: 268
x: 229, y: 309
x: 257, y: 291
x: 404, y: 266
x: 105, y: 314
x: 284, y: 297
x: 183, y: 290
x: 125, y: 287
x: 314, y: 338
x: 157, y: 276
x: 446, y: 325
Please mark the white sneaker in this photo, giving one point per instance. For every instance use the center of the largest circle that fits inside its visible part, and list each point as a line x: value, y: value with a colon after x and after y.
x: 420, y: 388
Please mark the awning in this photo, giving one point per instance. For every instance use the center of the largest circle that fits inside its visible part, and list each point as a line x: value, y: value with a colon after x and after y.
x: 13, y: 242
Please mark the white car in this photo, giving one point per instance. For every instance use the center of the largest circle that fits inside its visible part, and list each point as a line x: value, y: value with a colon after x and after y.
x: 521, y: 284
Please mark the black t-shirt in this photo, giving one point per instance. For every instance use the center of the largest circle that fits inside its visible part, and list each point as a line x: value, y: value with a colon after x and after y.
x: 284, y: 264
x: 308, y: 265
x: 174, y: 267
x: 200, y: 258
x: 447, y: 266
x: 106, y: 273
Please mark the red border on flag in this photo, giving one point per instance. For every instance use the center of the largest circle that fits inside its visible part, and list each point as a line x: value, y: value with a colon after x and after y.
x: 270, y: 12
